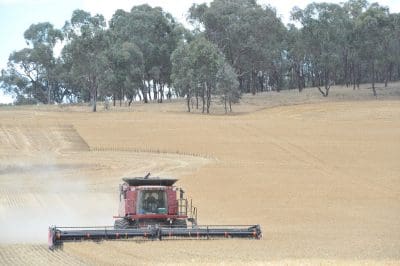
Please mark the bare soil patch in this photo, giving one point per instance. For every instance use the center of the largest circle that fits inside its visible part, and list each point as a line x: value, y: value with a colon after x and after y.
x: 322, y: 179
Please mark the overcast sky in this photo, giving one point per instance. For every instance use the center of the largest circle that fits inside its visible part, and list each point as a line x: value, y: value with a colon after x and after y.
x: 17, y: 15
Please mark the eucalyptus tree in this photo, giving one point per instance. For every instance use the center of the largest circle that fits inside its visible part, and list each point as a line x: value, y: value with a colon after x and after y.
x: 199, y: 67
x: 373, y: 27
x: 394, y: 48
x: 183, y: 78
x: 323, y: 27
x: 354, y: 9
x: 296, y: 57
x: 31, y: 71
x: 126, y: 70
x: 72, y: 83
x: 207, y: 60
x: 390, y: 33
x: 156, y: 33
x: 249, y: 35
x: 87, y: 45
x: 227, y: 86
x: 24, y: 77
x: 17, y: 84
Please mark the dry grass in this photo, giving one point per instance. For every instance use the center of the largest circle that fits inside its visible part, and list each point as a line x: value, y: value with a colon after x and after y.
x: 321, y: 178
x: 248, y: 104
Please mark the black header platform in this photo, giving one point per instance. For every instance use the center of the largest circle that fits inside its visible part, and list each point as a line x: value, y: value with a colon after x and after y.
x: 153, y: 181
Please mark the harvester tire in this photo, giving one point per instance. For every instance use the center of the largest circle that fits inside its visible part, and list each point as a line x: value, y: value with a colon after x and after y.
x: 179, y: 223
x: 121, y: 224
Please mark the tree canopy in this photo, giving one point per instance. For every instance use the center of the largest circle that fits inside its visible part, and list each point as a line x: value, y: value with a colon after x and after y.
x: 234, y: 47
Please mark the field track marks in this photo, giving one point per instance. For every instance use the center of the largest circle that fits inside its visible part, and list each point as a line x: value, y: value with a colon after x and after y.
x: 14, y: 199
x: 35, y: 254
x: 30, y: 138
x: 290, y: 150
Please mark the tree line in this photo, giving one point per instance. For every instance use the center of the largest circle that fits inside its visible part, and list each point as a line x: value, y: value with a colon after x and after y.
x: 234, y: 47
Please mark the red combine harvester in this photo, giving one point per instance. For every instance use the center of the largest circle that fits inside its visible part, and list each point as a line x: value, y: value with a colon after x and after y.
x: 151, y: 209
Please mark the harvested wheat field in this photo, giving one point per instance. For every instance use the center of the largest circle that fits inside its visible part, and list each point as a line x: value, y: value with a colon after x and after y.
x: 322, y: 180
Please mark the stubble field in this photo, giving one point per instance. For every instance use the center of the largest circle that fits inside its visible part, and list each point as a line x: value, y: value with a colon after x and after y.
x: 322, y: 179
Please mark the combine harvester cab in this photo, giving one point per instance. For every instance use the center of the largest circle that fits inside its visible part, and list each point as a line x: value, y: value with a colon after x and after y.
x: 152, y: 208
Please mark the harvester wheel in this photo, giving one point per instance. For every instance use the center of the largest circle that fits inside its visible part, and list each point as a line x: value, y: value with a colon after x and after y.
x: 193, y: 222
x: 179, y: 223
x: 121, y: 224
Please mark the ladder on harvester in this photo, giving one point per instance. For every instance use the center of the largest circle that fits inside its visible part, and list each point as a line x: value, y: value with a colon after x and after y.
x: 186, y: 208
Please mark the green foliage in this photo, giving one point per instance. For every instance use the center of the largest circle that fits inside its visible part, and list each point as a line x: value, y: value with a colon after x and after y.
x: 157, y: 35
x: 228, y: 86
x: 23, y: 100
x: 195, y: 70
x: 183, y: 78
x: 236, y: 46
x: 125, y: 70
x: 250, y: 36
x: 376, y: 34
x: 30, y: 72
x: 43, y: 34
x: 323, y: 36
x: 86, y: 51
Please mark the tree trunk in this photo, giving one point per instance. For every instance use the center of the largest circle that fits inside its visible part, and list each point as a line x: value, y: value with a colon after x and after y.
x: 197, y: 99
x: 149, y: 89
x: 313, y: 79
x: 252, y: 83
x: 241, y: 86
x: 120, y: 98
x: 161, y: 90
x: 327, y: 87
x: 353, y: 75
x: 261, y: 80
x: 155, y: 90
x: 277, y: 80
x: 299, y: 78
x: 325, y: 83
x: 226, y: 109
x: 48, y: 94
x: 208, y: 91
x: 145, y: 99
x: 203, y: 96
x: 94, y: 109
x: 144, y: 92
x: 398, y: 71
x: 387, y: 71
x: 373, y: 78
x: 292, y: 78
x: 346, y: 68
x: 324, y: 93
x: 188, y: 102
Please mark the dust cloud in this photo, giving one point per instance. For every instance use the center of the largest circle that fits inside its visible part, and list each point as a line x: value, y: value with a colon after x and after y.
x: 41, y: 195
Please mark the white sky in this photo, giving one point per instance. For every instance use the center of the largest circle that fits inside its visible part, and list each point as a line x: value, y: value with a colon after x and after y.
x: 17, y: 15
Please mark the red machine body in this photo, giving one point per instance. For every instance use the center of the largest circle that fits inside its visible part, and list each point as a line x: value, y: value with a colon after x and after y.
x: 146, y: 201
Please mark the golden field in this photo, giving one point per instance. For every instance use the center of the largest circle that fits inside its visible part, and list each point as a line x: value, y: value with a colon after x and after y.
x: 321, y: 177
